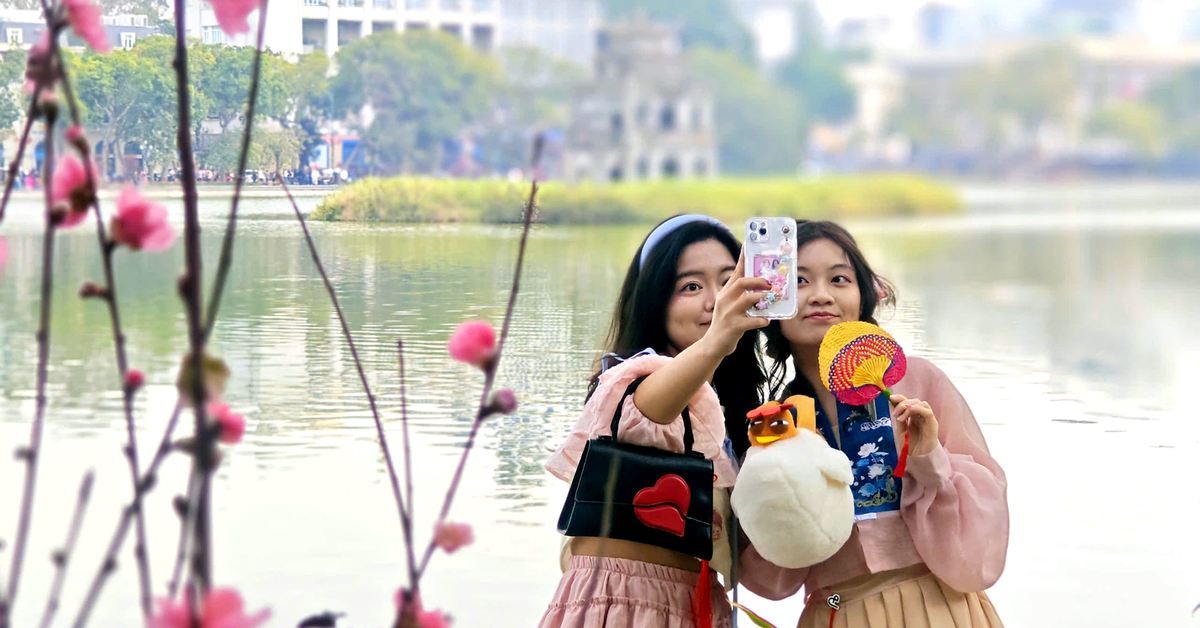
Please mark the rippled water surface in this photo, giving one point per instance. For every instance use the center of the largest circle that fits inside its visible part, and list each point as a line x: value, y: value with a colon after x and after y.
x: 1071, y: 330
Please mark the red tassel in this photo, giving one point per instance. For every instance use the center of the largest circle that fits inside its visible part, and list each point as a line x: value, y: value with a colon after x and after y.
x: 702, y: 599
x: 902, y: 464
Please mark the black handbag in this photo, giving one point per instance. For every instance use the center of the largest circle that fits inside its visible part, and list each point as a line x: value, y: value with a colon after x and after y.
x: 642, y: 494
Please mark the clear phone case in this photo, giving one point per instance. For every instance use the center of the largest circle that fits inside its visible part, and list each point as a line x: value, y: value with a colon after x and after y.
x: 770, y: 246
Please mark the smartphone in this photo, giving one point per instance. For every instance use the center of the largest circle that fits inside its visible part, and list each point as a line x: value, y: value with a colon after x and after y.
x: 770, y: 251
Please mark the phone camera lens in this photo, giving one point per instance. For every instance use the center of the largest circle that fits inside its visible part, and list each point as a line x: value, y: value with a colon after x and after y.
x: 762, y: 231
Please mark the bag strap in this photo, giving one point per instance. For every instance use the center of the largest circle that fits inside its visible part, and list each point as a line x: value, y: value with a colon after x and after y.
x: 688, y: 439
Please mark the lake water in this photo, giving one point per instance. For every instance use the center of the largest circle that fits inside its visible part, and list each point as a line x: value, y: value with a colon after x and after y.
x: 1066, y: 316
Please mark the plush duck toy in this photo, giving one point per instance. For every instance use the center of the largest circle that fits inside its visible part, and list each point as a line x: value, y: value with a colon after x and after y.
x: 793, y: 491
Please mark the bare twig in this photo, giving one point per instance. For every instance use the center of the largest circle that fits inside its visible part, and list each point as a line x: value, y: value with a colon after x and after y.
x: 185, y: 532
x: 204, y: 456
x: 109, y: 564
x: 490, y: 374
x: 226, y: 259
x: 387, y: 454
x: 16, y: 162
x: 407, y: 517
x: 63, y: 557
x: 32, y: 454
x: 107, y: 249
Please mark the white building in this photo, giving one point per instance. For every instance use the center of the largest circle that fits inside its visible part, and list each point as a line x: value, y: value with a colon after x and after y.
x: 562, y: 28
x: 295, y: 27
x: 644, y: 116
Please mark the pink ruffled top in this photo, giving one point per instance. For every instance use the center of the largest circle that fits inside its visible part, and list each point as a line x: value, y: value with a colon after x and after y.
x: 708, y: 423
x: 953, y: 510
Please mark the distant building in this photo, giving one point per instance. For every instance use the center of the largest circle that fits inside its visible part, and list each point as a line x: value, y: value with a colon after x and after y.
x: 295, y: 27
x: 644, y: 116
x: 1088, y: 17
x: 561, y: 28
x: 21, y: 30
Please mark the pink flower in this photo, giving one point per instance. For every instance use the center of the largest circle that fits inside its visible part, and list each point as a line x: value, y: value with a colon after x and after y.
x: 425, y: 619
x: 453, y: 536
x: 84, y: 17
x: 231, y: 14
x: 222, y: 608
x: 3, y: 252
x: 134, y: 379
x: 473, y: 342
x: 71, y: 189
x: 504, y: 401
x: 141, y: 223
x: 232, y: 424
x: 77, y: 139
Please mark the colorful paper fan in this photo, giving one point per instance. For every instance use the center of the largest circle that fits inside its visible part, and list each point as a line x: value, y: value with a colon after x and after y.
x: 858, y: 361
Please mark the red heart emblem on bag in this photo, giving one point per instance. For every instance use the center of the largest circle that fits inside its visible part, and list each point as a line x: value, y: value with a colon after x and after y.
x: 664, y: 505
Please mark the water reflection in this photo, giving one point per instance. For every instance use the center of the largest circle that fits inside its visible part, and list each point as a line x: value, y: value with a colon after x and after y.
x: 1073, y: 343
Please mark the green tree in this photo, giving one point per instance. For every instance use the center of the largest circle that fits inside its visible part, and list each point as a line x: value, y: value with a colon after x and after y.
x: 819, y: 81
x: 1137, y: 125
x: 1038, y: 85
x: 121, y: 93
x: 535, y: 94
x: 705, y: 23
x: 12, y: 79
x: 414, y: 92
x: 311, y: 100
x: 222, y: 74
x: 1175, y: 100
x: 759, y: 125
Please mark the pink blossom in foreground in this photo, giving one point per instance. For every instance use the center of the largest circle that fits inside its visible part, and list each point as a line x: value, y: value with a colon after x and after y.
x: 453, y: 536
x: 134, y: 379
x: 141, y: 223
x: 3, y: 252
x: 231, y: 14
x: 222, y: 608
x: 232, y: 424
x: 71, y: 190
x: 474, y: 342
x: 84, y: 17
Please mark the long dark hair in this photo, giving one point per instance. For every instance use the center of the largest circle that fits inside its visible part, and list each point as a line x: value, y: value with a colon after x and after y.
x: 870, y: 286
x: 640, y: 321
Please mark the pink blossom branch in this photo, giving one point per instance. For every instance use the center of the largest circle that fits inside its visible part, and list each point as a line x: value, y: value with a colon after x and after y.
x: 11, y: 180
x: 226, y: 259
x: 185, y: 529
x: 32, y: 453
x: 62, y: 558
x: 387, y: 454
x: 490, y: 373
x: 204, y: 456
x: 107, y: 248
x: 109, y: 564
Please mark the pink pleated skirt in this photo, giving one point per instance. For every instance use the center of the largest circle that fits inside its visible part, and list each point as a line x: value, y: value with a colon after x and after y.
x: 620, y: 593
x: 905, y: 598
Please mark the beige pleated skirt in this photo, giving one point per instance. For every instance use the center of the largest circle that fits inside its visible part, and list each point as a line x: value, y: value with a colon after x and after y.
x: 905, y: 598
